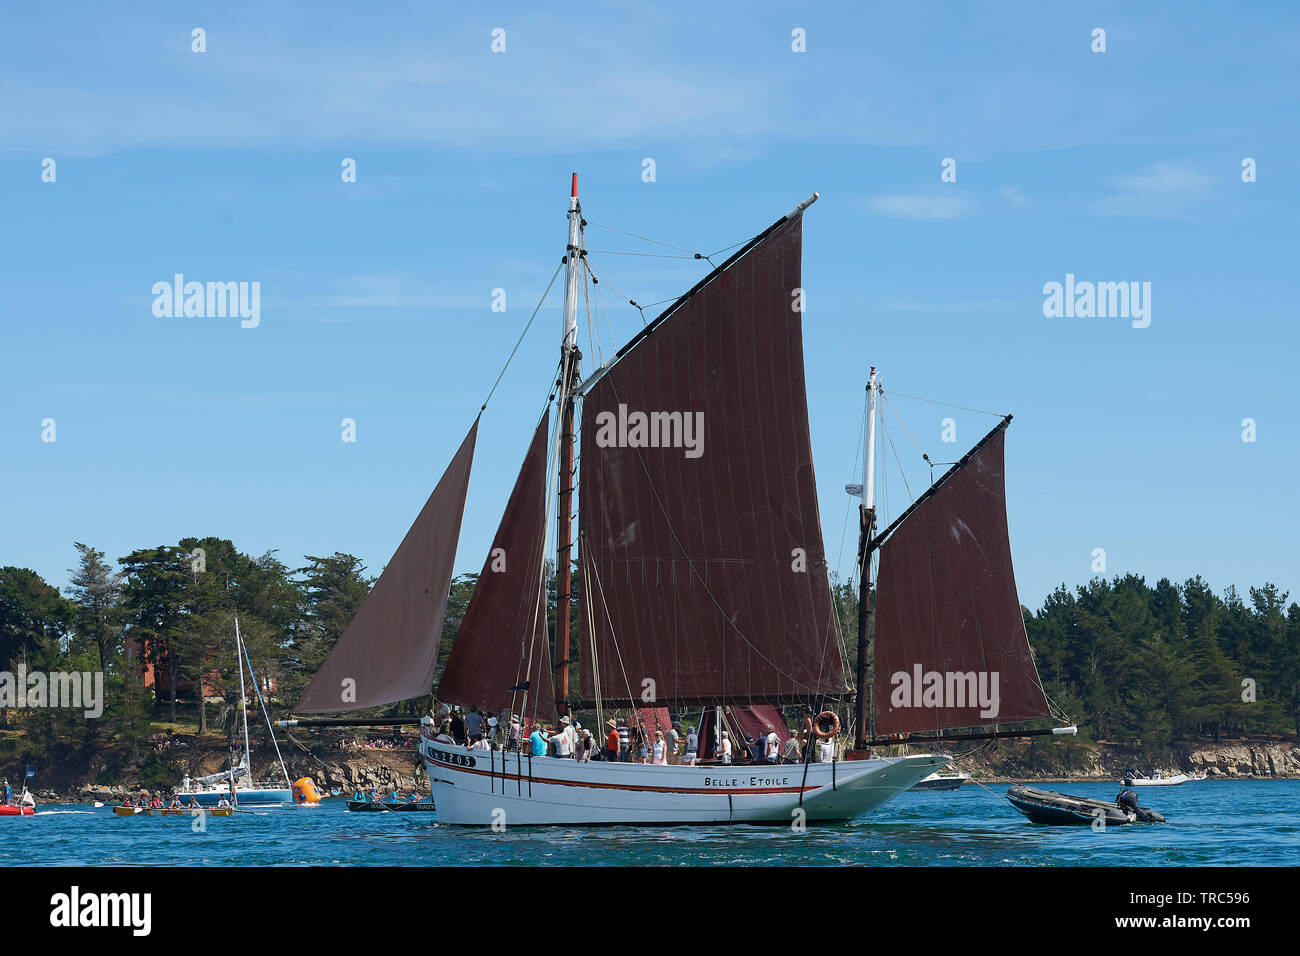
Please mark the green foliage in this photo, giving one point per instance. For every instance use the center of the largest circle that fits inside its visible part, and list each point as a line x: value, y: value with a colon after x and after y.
x: 1148, y: 666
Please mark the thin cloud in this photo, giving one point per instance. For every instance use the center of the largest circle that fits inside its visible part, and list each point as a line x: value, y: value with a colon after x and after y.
x: 924, y: 206
x: 1162, y: 191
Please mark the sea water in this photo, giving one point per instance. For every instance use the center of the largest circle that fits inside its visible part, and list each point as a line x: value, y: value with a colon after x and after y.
x: 1215, y: 823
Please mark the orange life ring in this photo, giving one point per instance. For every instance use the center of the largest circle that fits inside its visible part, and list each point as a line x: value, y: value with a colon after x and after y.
x: 826, y: 715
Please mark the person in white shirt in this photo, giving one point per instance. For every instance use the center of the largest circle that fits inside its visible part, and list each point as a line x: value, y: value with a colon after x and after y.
x: 724, y: 747
x: 826, y: 750
x: 772, y: 750
x: 480, y: 743
x: 566, y: 739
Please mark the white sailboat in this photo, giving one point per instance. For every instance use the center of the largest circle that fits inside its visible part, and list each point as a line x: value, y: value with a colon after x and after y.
x: 237, y: 785
x: 705, y: 578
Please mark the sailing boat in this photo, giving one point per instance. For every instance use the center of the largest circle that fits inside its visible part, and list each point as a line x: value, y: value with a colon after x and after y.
x: 209, y: 790
x: 704, y: 578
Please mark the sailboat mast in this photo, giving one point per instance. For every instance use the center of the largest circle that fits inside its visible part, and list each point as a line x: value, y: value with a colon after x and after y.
x: 867, y: 519
x: 569, y: 357
x: 239, y: 655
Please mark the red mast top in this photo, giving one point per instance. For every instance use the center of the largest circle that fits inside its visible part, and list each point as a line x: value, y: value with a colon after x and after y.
x: 574, y: 194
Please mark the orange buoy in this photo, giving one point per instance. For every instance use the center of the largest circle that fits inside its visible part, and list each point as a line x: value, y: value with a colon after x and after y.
x: 304, y: 791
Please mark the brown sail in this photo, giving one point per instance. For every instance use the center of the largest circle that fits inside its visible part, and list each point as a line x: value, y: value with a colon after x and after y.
x: 505, y: 625
x: 951, y: 649
x: 389, y: 650
x: 701, y: 541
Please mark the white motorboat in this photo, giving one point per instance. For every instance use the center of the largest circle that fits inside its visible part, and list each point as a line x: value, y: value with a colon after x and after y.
x: 1133, y: 778
x: 942, y: 780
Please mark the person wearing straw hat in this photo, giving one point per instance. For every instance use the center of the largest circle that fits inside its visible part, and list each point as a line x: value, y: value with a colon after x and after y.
x: 611, y: 740
x: 724, y: 747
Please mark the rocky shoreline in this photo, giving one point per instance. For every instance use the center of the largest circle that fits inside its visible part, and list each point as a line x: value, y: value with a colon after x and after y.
x: 362, y: 769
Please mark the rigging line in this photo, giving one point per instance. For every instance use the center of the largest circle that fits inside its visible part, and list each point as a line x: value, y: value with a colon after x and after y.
x: 964, y: 408
x: 704, y: 581
x: 521, y: 336
x: 897, y: 459
x: 586, y: 298
x: 632, y: 302
x: 910, y: 435
x: 648, y: 255
x: 601, y: 306
x: 642, y: 238
x: 848, y: 508
x: 267, y: 718
x: 618, y: 652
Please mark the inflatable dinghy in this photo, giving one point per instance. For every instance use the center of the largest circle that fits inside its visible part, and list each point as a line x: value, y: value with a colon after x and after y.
x: 1050, y: 807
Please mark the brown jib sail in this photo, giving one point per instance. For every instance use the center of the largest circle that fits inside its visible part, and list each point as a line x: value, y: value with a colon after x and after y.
x: 951, y: 648
x: 389, y: 651
x: 702, y: 551
x: 505, y: 626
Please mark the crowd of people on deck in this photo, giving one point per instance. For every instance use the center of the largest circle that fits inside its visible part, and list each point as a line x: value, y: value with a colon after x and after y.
x: 624, y: 742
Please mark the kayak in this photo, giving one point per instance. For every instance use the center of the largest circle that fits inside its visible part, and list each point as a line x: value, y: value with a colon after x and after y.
x: 15, y: 811
x: 366, y: 806
x: 168, y: 812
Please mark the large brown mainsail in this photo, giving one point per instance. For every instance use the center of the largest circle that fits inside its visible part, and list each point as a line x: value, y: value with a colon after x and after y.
x: 949, y: 629
x: 701, y: 547
x: 389, y: 651
x: 505, y: 625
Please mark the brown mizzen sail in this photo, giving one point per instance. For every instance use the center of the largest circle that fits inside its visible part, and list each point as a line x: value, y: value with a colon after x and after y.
x: 505, y: 625
x: 951, y: 648
x: 703, y: 560
x: 389, y: 651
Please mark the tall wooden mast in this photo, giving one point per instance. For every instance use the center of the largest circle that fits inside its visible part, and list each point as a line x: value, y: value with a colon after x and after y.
x: 867, y: 516
x: 569, y: 358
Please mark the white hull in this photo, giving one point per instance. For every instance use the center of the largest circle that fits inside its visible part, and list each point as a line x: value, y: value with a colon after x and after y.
x: 248, y: 796
x: 480, y: 787
x: 1157, y: 782
x: 938, y: 781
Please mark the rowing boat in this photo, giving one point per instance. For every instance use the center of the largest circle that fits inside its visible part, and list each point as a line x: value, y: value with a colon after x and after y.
x: 170, y: 812
x: 366, y: 806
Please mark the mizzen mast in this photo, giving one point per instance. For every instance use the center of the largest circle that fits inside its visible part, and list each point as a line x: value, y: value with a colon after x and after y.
x: 569, y: 358
x: 867, y: 520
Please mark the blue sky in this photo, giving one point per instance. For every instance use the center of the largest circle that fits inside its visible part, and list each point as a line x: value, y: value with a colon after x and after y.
x: 376, y: 295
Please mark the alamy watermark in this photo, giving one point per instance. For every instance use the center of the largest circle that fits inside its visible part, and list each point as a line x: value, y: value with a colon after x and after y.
x: 79, y: 690
x: 946, y: 689
x: 626, y: 429
x: 212, y: 300
x: 1102, y: 300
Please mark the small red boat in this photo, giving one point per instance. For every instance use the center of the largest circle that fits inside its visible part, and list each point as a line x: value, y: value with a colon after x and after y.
x: 10, y: 811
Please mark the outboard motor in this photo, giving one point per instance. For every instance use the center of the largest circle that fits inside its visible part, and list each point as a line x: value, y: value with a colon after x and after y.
x: 1128, y: 802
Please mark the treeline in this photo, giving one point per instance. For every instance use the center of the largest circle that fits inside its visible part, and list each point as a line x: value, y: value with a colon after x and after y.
x: 1151, y: 665
x: 170, y: 611
x: 1130, y: 662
